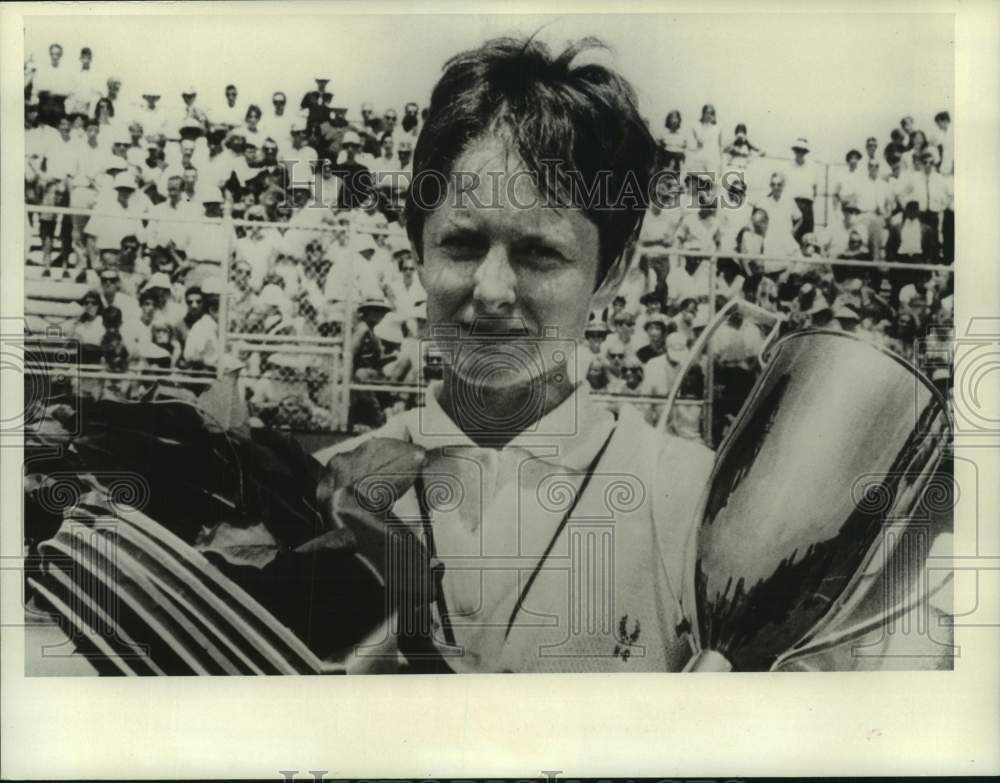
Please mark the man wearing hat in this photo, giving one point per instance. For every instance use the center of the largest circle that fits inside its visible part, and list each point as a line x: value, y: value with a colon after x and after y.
x: 657, y: 327
x: 316, y: 103
x: 596, y: 332
x: 366, y: 347
x: 300, y: 157
x: 120, y: 217
x: 192, y: 111
x: 801, y: 184
x: 846, y: 319
x: 152, y: 116
x: 354, y: 169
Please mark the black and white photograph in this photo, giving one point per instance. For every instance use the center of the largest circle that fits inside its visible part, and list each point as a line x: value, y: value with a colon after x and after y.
x: 488, y: 344
x: 548, y: 343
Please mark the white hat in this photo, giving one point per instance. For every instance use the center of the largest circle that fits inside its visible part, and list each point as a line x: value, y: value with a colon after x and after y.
x: 846, y: 313
x: 211, y: 286
x: 124, y: 180
x: 374, y: 304
x: 350, y: 137
x: 418, y: 312
x: 677, y: 350
x: 801, y: 143
x: 399, y: 245
x: 390, y: 329
x: 151, y: 352
x: 298, y: 124
x: 213, y: 196
x: 272, y: 296
x: 364, y: 242
x: 190, y: 90
x: 157, y: 280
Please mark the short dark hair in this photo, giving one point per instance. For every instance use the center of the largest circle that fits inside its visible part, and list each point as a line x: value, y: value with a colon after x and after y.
x: 86, y: 50
x: 942, y: 115
x: 853, y: 154
x: 583, y: 117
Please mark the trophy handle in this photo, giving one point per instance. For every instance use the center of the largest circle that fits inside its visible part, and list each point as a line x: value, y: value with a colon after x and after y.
x: 749, y: 308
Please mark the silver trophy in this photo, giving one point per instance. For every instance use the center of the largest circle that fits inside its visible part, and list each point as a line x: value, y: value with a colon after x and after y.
x: 791, y: 557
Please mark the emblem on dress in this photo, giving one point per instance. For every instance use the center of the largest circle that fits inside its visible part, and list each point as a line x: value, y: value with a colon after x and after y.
x: 626, y: 638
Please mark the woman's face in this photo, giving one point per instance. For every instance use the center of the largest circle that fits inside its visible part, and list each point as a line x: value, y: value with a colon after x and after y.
x: 514, y: 269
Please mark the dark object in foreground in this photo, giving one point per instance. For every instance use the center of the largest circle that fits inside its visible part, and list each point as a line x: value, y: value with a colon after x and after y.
x: 168, y: 542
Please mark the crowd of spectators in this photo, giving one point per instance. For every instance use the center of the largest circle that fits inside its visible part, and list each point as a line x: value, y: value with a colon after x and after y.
x: 320, y: 191
x: 888, y: 204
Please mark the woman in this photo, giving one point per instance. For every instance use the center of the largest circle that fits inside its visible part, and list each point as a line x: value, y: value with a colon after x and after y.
x: 707, y: 139
x: 104, y: 112
x: 918, y: 143
x: 510, y: 290
x: 674, y: 143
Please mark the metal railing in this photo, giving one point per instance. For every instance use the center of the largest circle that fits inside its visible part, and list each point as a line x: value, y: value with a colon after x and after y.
x: 336, y: 351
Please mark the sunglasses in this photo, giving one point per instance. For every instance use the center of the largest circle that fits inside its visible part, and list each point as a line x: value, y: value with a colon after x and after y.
x: 409, y: 269
x: 616, y: 356
x: 624, y: 323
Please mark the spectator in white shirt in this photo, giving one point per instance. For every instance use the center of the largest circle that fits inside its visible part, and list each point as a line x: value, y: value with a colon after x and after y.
x: 86, y: 86
x: 120, y: 217
x: 801, y: 186
x: 300, y: 157
x: 406, y: 292
x: 58, y: 167
x: 152, y: 118
x: 278, y: 125
x: 844, y: 177
x: 871, y: 148
x: 707, y: 152
x: 944, y: 141
x: 258, y: 247
x: 53, y: 83
x: 167, y: 228
x: 872, y: 196
x: 91, y: 162
x: 211, y: 242
x: 932, y: 192
x: 674, y: 143
x: 784, y: 218
x: 201, y: 347
x: 735, y: 214
x: 113, y: 296
x: 232, y: 112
